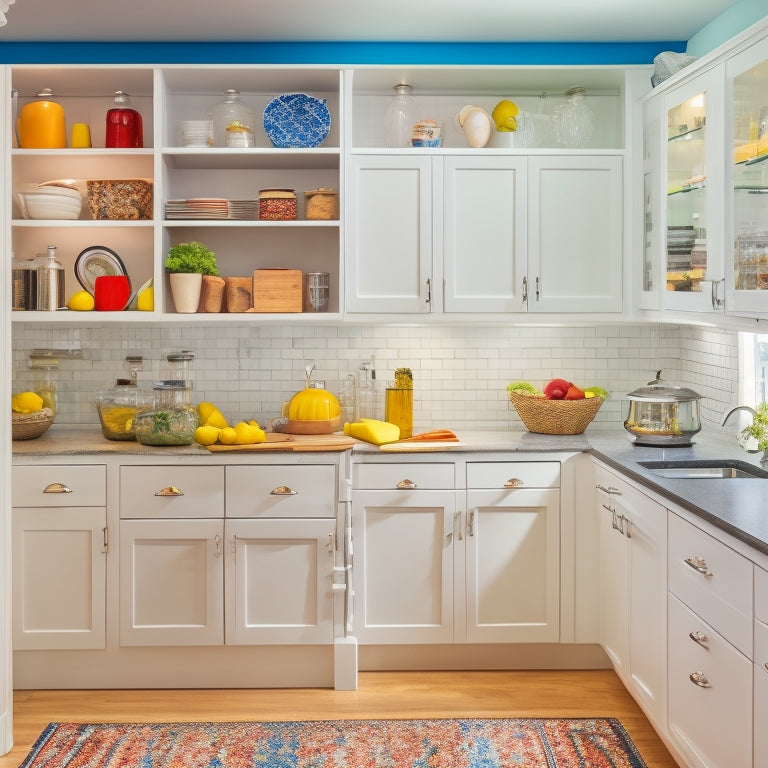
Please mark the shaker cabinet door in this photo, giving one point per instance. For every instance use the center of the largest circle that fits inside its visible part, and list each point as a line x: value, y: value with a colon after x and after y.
x: 389, y: 234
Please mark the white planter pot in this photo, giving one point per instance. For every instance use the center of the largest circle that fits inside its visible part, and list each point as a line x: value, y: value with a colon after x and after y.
x: 185, y: 289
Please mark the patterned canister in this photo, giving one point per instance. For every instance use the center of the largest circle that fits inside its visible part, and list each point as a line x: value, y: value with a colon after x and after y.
x: 277, y: 204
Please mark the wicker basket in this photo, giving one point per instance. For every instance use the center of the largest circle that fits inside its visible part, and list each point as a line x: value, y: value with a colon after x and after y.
x: 555, y: 417
x: 25, y: 426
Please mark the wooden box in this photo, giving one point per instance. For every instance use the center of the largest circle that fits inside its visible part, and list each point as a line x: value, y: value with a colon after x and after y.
x: 277, y: 290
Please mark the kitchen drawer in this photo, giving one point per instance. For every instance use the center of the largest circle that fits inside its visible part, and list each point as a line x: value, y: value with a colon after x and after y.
x: 513, y: 474
x: 410, y: 476
x: 711, y: 719
x: 713, y: 580
x: 59, y: 486
x: 761, y: 595
x: 281, y: 491
x: 170, y: 491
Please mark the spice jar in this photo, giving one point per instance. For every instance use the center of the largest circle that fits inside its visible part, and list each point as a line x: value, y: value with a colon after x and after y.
x: 277, y: 204
x: 322, y: 204
x: 172, y: 421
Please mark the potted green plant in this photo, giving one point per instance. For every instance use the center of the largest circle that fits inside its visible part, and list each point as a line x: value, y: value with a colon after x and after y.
x: 186, y: 264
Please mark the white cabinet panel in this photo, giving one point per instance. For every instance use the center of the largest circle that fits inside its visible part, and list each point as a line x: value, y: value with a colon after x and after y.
x: 484, y: 233
x: 427, y: 476
x: 512, y: 566
x: 278, y: 580
x: 59, y: 578
x: 575, y: 234
x: 59, y: 486
x: 171, y: 582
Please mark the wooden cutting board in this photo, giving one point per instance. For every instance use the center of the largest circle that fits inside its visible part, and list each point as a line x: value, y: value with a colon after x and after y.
x: 427, y: 445
x: 280, y: 442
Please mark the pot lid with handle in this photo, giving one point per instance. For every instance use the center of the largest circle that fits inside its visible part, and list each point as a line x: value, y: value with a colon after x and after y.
x: 658, y: 391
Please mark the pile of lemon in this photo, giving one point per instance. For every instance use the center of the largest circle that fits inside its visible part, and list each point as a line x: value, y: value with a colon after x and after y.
x: 214, y: 429
x: 26, y: 402
x: 83, y: 301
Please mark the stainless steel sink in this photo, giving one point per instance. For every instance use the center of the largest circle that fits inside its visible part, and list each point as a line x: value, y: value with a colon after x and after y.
x: 710, y: 469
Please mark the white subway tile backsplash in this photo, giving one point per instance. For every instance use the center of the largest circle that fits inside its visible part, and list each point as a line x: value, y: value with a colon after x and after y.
x: 460, y: 372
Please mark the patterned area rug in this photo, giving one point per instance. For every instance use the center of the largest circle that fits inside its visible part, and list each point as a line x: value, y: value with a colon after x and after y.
x: 461, y: 743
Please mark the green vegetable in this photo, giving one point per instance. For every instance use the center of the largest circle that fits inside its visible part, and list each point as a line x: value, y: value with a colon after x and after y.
x: 759, y: 427
x: 522, y: 388
x: 191, y: 257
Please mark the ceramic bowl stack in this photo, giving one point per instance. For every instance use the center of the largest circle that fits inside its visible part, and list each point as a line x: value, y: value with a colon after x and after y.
x: 196, y: 133
x: 50, y: 202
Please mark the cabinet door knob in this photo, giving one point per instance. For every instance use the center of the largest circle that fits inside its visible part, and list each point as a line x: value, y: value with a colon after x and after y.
x: 700, y: 679
x: 406, y: 484
x: 699, y: 564
x: 699, y: 637
x: 513, y: 482
x: 169, y: 490
x: 57, y: 488
x: 282, y: 490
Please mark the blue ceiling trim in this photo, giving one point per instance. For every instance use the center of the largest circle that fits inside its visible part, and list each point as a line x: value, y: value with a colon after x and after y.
x: 346, y: 53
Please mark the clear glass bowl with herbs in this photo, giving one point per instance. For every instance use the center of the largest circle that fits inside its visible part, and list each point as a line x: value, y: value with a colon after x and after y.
x: 172, y: 421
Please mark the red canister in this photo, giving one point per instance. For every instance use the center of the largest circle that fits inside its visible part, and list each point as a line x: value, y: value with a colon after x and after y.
x: 124, y: 125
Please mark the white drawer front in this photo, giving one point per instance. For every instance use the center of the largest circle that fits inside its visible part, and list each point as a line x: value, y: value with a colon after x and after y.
x: 403, y: 475
x: 711, y: 720
x: 761, y: 646
x: 713, y: 580
x: 170, y: 491
x: 513, y: 474
x: 59, y: 486
x: 281, y: 491
x: 761, y: 595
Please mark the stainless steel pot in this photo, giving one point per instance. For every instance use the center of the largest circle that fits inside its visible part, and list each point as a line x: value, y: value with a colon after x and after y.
x: 662, y: 414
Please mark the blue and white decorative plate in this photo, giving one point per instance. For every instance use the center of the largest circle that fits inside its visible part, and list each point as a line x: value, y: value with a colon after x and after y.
x: 297, y: 120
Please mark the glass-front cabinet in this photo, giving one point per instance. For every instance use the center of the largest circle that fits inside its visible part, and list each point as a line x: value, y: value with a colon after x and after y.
x: 747, y: 84
x: 693, y: 236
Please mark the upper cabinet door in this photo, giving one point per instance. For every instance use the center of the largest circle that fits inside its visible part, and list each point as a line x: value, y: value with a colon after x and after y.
x: 694, y: 194
x: 484, y: 233
x: 575, y: 234
x: 747, y: 242
x: 389, y: 234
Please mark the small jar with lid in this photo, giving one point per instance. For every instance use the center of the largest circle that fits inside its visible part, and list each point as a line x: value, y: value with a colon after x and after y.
x: 118, y: 407
x: 277, y: 204
x: 171, y: 421
x: 321, y: 204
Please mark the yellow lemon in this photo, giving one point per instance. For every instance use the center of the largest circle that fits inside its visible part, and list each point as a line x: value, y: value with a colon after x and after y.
x: 504, y: 115
x: 145, y: 301
x: 26, y: 402
x: 206, y: 435
x: 227, y: 436
x: 204, y: 410
x: 82, y: 301
x: 216, y: 419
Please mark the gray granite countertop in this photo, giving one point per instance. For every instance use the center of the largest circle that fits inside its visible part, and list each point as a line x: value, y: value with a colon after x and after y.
x: 739, y: 507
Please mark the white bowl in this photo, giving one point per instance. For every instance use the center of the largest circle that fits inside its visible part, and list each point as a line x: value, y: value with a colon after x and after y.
x: 43, y: 206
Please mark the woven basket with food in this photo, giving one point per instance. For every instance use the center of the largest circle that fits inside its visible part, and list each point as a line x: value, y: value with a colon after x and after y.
x: 560, y: 408
x: 30, y: 417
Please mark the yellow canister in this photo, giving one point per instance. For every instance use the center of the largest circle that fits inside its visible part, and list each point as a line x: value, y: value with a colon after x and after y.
x: 42, y: 124
x: 322, y: 203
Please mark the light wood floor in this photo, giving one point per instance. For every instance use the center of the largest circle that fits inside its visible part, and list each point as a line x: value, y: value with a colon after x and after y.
x: 380, y: 695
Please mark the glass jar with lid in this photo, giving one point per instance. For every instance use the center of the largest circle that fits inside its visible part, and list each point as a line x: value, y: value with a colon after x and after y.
x: 119, y: 406
x: 171, y: 421
x: 232, y: 116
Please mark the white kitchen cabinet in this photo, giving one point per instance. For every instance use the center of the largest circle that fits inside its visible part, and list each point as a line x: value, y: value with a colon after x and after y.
x: 479, y: 233
x: 444, y: 561
x: 171, y: 582
x: 760, y: 717
x: 510, y: 557
x: 633, y: 588
x: 59, y: 544
x: 278, y: 581
x: 710, y: 648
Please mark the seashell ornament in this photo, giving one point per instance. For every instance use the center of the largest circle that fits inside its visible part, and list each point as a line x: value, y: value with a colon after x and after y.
x: 476, y: 124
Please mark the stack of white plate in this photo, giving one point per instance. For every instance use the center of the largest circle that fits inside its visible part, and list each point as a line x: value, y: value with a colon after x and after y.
x: 196, y: 133
x: 50, y: 202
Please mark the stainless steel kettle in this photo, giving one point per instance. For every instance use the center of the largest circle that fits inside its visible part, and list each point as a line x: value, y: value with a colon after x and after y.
x: 662, y: 414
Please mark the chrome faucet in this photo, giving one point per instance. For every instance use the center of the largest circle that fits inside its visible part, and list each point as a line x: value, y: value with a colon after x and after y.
x: 764, y: 457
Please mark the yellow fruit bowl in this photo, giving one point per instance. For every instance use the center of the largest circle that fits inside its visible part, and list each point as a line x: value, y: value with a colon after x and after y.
x: 26, y: 426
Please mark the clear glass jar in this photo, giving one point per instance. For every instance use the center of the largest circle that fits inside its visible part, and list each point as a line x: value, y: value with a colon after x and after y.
x: 118, y: 408
x: 399, y: 117
x: 229, y: 112
x: 43, y: 371
x: 171, y: 421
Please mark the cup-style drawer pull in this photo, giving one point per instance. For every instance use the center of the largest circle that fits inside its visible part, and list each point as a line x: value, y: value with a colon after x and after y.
x: 282, y: 490
x: 406, y: 484
x: 610, y: 490
x: 698, y: 564
x: 766, y: 665
x: 169, y: 490
x: 57, y: 488
x: 513, y: 482
x: 700, y: 679
x: 699, y: 637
